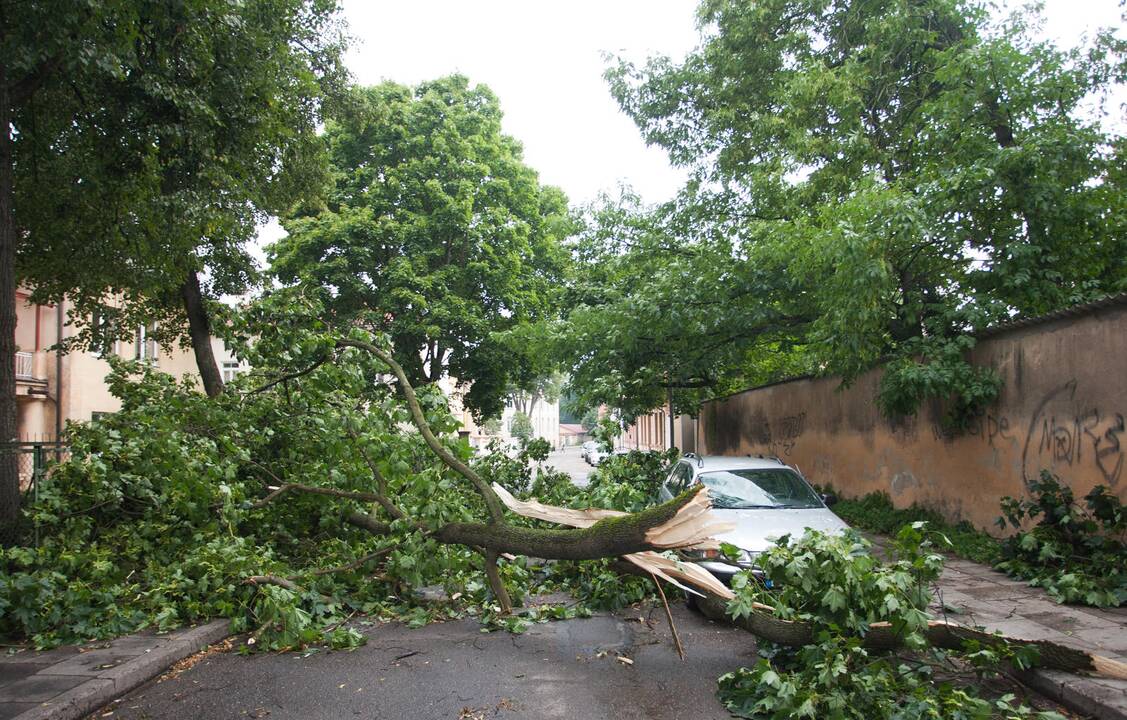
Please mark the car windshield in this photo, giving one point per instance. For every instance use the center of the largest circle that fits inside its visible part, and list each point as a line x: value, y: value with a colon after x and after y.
x: 765, y: 488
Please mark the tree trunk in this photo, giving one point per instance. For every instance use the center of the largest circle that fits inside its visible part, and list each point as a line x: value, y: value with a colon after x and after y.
x: 9, y: 469
x: 609, y: 537
x: 199, y: 327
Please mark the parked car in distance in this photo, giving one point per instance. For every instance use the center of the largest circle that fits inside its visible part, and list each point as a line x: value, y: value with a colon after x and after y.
x: 763, y: 497
x: 598, y: 455
x: 586, y: 449
x: 595, y: 456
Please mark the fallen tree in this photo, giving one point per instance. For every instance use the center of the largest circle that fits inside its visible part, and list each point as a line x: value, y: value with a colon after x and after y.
x: 367, y: 498
x: 714, y: 601
x: 683, y: 522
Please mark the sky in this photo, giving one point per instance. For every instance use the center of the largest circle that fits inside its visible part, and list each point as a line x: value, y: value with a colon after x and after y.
x: 545, y: 60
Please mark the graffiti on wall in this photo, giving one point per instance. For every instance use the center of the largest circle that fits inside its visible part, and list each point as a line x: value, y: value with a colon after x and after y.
x: 778, y: 437
x: 1062, y: 434
x: 991, y: 428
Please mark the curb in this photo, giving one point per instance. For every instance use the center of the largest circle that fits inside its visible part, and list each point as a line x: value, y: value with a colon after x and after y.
x: 98, y: 691
x: 1090, y: 696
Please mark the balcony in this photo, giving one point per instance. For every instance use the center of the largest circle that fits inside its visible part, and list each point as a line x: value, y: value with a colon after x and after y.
x: 31, y: 374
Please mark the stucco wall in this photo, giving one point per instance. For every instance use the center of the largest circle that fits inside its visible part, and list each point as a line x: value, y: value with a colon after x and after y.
x: 1062, y: 408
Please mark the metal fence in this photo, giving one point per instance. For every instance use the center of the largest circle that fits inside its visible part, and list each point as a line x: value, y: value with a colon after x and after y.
x: 34, y: 461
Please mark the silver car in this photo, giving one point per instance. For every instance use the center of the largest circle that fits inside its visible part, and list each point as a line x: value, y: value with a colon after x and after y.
x: 587, y: 449
x: 763, y: 497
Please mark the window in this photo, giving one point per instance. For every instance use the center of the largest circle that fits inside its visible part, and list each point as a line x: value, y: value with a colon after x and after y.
x: 230, y: 370
x: 103, y: 331
x: 144, y: 344
x: 755, y: 488
x: 680, y: 478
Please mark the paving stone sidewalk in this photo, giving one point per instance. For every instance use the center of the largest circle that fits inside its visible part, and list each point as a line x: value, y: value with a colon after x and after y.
x: 980, y: 596
x: 69, y: 682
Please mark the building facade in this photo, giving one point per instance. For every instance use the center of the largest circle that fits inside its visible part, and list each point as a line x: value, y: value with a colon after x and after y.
x: 54, y: 387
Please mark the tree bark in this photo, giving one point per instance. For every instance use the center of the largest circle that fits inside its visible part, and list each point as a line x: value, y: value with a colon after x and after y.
x: 199, y: 328
x: 496, y: 584
x: 9, y: 469
x: 610, y: 537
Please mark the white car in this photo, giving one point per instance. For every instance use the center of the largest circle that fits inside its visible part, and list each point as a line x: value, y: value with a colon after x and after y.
x: 763, y: 497
x: 587, y: 448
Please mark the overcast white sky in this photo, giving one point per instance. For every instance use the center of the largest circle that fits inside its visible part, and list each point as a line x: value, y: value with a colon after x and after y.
x: 544, y: 60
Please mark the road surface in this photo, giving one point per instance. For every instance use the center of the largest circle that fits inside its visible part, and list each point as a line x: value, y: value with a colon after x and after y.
x: 569, y: 460
x: 567, y: 669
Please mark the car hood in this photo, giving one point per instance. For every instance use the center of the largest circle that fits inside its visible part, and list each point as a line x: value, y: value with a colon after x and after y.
x: 756, y: 528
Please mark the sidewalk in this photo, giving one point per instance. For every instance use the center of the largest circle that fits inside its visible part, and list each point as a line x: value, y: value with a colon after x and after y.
x: 977, y: 595
x: 69, y: 682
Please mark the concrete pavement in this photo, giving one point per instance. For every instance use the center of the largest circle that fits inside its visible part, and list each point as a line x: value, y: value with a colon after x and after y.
x: 979, y: 596
x: 569, y: 460
x: 68, y: 682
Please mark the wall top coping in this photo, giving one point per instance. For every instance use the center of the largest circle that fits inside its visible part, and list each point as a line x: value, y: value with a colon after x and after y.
x: 1071, y: 311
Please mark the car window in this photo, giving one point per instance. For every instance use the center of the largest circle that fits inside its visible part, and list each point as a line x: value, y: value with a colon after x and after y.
x: 679, y: 479
x: 760, y: 488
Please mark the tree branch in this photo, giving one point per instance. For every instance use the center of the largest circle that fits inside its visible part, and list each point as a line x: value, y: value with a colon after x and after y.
x: 492, y: 503
x: 354, y: 564
x: 21, y: 91
x: 331, y: 492
x: 296, y: 374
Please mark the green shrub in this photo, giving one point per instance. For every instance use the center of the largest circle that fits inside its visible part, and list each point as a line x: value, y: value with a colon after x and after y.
x: 876, y: 513
x: 1077, y: 553
x: 835, y: 584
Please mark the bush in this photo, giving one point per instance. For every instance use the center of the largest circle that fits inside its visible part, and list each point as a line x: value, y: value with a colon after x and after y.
x: 1076, y: 553
x: 875, y: 512
x: 835, y: 584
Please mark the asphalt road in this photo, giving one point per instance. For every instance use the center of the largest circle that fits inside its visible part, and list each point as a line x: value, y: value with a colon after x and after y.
x: 569, y: 460
x: 567, y: 669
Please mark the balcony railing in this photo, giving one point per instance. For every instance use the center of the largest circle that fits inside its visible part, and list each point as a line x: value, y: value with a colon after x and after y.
x: 25, y: 365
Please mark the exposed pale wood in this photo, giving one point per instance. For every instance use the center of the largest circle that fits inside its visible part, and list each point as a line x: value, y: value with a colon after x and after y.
x: 552, y: 513
x: 693, y: 526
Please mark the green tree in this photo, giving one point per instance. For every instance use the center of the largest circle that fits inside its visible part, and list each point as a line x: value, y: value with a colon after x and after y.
x: 141, y: 142
x: 434, y: 231
x: 667, y: 303
x: 547, y: 388
x: 894, y: 174
x: 590, y: 419
x: 520, y: 426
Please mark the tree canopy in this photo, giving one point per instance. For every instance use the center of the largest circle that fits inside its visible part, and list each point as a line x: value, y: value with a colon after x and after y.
x: 141, y: 143
x: 158, y: 146
x: 871, y: 181
x: 434, y: 231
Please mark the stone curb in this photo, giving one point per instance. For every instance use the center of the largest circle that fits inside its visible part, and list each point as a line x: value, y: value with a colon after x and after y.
x: 98, y: 691
x: 1084, y: 695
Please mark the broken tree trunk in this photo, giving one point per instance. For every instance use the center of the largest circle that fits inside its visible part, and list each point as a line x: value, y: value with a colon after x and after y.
x: 881, y: 635
x: 939, y: 633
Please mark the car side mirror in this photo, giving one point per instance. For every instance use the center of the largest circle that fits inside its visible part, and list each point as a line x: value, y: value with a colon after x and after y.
x: 829, y: 499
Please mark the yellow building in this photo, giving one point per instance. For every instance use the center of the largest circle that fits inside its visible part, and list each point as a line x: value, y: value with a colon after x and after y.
x: 53, y: 387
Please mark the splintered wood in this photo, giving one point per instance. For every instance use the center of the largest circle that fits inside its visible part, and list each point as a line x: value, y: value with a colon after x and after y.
x: 564, y: 516
x: 691, y: 528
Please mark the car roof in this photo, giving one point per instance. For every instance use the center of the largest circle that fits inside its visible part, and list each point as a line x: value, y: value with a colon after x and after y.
x: 708, y: 463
